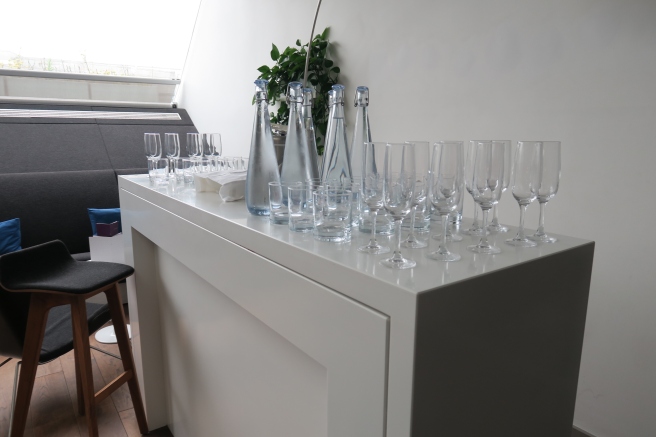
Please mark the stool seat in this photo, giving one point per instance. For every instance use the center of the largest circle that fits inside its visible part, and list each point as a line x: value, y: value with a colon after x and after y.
x: 50, y: 267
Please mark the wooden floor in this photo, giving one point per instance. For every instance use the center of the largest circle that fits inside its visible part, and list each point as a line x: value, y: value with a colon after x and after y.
x: 53, y: 411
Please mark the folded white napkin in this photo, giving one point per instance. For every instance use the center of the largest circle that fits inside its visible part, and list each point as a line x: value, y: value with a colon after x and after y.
x: 230, y: 186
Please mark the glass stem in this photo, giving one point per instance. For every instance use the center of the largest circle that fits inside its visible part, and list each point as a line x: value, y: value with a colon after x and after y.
x: 484, y: 242
x: 445, y: 228
x: 397, y: 253
x: 411, y: 237
x: 541, y: 224
x: 374, y: 214
x: 475, y: 224
x: 495, y: 216
x: 520, y: 232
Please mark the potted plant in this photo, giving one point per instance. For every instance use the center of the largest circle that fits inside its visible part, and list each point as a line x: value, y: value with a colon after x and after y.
x: 289, y: 67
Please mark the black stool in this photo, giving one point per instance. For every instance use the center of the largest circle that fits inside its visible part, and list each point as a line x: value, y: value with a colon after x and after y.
x: 32, y: 282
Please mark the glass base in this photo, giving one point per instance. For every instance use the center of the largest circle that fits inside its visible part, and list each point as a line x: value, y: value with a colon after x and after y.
x: 449, y: 237
x: 415, y: 244
x: 258, y: 211
x: 518, y: 242
x: 478, y: 232
x: 497, y: 228
x: 399, y: 263
x: 374, y: 249
x: 490, y: 250
x: 542, y: 238
x: 443, y: 256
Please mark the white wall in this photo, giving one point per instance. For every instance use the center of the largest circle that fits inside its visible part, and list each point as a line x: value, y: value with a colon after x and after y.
x: 580, y: 71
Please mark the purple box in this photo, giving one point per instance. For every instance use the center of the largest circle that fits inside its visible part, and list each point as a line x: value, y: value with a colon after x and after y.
x: 107, y: 229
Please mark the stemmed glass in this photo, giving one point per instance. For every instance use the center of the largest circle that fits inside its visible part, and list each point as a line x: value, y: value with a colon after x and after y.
x: 446, y: 186
x: 487, y: 184
x: 373, y: 164
x: 495, y: 226
x: 398, y: 194
x: 172, y: 149
x: 422, y: 162
x: 152, y: 146
x: 525, y: 185
x: 475, y: 229
x: 194, y: 146
x: 212, y: 147
x: 550, y: 178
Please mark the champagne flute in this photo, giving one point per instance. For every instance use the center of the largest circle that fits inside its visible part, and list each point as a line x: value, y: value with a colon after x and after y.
x: 550, y: 178
x: 212, y: 147
x: 487, y: 184
x: 398, y: 194
x: 422, y: 163
x: 446, y: 185
x: 153, y: 146
x: 495, y: 226
x: 373, y: 165
x: 475, y: 229
x: 525, y: 185
x: 172, y: 149
x: 194, y: 145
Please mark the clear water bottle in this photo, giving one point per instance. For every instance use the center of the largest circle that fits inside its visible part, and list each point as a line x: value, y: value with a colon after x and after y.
x: 329, y: 131
x: 299, y: 163
x: 262, y: 165
x: 337, y: 159
x: 310, y: 133
x: 361, y: 130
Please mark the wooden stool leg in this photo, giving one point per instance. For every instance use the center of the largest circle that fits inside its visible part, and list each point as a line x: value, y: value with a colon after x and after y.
x: 36, y: 326
x: 83, y: 358
x: 123, y: 340
x: 78, y: 380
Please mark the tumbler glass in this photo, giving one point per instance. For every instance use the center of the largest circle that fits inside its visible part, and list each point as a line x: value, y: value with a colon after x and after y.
x: 300, y: 207
x: 158, y: 171
x: 332, y: 215
x: 279, y: 214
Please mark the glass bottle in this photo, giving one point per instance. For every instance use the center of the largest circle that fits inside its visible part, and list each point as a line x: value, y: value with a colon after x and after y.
x: 361, y: 130
x: 297, y: 164
x: 337, y: 161
x: 310, y: 133
x: 262, y: 165
x: 329, y: 128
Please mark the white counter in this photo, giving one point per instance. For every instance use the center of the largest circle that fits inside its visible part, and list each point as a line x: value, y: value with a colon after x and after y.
x: 350, y: 339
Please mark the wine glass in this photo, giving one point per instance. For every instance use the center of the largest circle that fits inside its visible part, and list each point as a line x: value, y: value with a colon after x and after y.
x: 487, y: 184
x: 373, y: 165
x: 495, y: 226
x: 525, y: 185
x: 398, y: 194
x: 550, y: 177
x: 446, y: 186
x: 475, y: 229
x: 194, y: 145
x: 422, y: 162
x: 153, y: 146
x: 212, y: 147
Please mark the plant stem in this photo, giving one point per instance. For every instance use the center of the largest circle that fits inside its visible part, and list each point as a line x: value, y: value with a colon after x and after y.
x: 307, y: 58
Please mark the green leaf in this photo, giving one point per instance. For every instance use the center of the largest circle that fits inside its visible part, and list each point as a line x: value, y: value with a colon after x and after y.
x: 264, y: 69
x: 298, y: 42
x: 275, y: 53
x: 335, y: 70
x: 324, y: 34
x: 327, y: 63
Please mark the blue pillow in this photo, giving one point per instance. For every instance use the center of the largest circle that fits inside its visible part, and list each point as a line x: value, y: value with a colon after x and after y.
x: 109, y: 215
x: 10, y: 236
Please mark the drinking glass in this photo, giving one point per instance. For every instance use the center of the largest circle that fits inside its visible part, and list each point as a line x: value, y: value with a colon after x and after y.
x: 422, y: 162
x: 550, y: 178
x: 487, y: 184
x: 212, y: 147
x: 194, y: 145
x: 470, y: 158
x: 188, y: 170
x: 446, y: 187
x: 300, y: 206
x: 525, y: 185
x: 172, y: 145
x: 158, y: 171
x: 279, y: 213
x: 495, y: 226
x: 152, y: 146
x: 356, y: 204
x: 176, y: 169
x: 373, y: 165
x: 332, y: 215
x: 398, y: 194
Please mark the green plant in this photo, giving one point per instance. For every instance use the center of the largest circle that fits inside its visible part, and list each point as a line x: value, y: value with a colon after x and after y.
x: 289, y: 67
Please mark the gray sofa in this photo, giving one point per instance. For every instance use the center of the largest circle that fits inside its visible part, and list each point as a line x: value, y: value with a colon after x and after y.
x: 53, y: 169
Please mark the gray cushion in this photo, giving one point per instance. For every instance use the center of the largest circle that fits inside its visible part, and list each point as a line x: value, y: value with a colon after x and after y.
x: 51, y: 147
